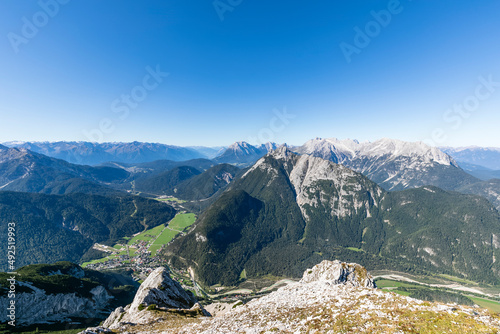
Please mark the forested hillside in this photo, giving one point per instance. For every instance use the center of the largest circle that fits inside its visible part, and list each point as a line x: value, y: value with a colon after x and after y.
x: 50, y: 228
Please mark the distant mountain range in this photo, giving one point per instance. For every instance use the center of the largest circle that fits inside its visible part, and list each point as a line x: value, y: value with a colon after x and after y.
x: 393, y: 164
x: 487, y: 157
x: 244, y: 154
x: 27, y: 171
x: 85, y: 153
x: 339, y: 151
x: 478, y: 161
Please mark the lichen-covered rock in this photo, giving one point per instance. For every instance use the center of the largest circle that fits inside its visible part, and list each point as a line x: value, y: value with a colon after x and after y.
x: 339, y: 273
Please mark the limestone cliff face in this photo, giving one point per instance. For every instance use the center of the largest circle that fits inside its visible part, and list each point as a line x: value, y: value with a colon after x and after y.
x: 339, y: 273
x: 158, y: 291
x: 38, y: 306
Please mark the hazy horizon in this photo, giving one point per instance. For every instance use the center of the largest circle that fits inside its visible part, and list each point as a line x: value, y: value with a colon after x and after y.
x: 14, y: 142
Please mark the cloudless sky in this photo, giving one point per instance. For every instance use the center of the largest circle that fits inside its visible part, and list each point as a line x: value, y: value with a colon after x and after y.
x: 231, y: 70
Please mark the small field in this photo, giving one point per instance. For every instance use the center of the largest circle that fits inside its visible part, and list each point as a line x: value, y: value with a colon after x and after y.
x: 385, y: 283
x: 486, y: 303
x: 182, y: 221
x: 355, y: 249
x: 393, y: 286
x: 104, y: 259
x: 148, y: 235
x: 165, y: 237
x: 457, y: 279
x: 171, y: 199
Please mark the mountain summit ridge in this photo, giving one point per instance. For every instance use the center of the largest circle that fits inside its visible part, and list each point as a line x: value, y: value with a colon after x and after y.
x: 392, y: 163
x: 306, y: 171
x: 349, y: 148
x: 243, y: 153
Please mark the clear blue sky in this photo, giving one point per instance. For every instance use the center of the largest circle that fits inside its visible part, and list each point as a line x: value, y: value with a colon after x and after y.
x: 226, y: 78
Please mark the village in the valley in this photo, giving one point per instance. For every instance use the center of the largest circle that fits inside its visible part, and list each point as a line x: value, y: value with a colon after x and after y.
x: 140, y: 254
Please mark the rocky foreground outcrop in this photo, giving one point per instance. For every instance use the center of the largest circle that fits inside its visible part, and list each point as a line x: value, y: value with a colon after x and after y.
x: 158, y: 296
x: 339, y: 272
x: 333, y: 297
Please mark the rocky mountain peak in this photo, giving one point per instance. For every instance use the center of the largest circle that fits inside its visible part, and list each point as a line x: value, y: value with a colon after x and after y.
x: 243, y: 153
x: 239, y: 144
x: 394, y: 147
x: 308, y: 174
x: 7, y: 154
x: 282, y: 152
x: 269, y: 146
x: 393, y: 164
x: 340, y: 273
x: 348, y: 149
